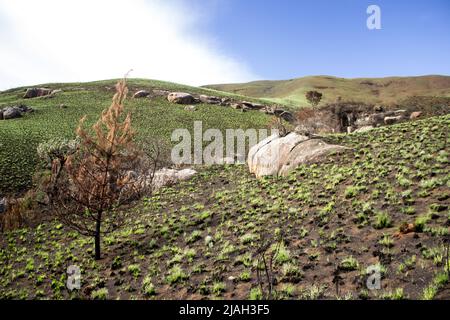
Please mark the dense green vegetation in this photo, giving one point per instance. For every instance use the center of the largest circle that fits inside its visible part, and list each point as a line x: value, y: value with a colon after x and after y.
x: 151, y: 118
x: 197, y: 239
x: 369, y: 90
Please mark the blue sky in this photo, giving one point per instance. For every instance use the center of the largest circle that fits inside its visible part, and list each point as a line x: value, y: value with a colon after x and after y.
x: 285, y: 39
x: 219, y: 41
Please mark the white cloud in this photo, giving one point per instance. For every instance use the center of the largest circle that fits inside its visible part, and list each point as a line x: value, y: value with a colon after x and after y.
x: 83, y: 40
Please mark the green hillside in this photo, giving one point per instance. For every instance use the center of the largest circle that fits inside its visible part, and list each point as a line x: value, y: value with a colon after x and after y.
x: 368, y: 90
x: 151, y: 118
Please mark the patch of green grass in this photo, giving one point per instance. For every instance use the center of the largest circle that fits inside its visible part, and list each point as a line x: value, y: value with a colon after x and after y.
x: 134, y: 270
x: 100, y: 294
x: 176, y: 274
x: 349, y: 264
x: 255, y: 294
x: 382, y: 220
x: 397, y: 294
x: 147, y: 286
x: 218, y: 288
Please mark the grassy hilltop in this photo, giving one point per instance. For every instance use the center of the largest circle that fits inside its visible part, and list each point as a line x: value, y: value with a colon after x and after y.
x: 369, y: 90
x: 151, y: 118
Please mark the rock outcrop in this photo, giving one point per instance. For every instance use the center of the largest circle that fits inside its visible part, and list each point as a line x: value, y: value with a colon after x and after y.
x: 277, y: 155
x: 181, y: 98
x: 14, y: 112
x: 349, y: 117
x: 187, y: 98
x: 37, y: 92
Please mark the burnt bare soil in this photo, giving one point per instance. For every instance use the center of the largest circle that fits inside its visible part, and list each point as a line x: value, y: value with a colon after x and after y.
x: 385, y: 202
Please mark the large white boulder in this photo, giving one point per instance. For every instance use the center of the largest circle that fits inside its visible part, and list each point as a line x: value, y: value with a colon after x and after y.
x: 277, y: 155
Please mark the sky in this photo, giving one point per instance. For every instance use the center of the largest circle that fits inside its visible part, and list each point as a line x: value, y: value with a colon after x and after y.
x: 201, y: 42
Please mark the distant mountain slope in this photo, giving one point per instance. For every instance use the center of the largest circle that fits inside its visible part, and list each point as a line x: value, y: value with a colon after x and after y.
x: 370, y: 90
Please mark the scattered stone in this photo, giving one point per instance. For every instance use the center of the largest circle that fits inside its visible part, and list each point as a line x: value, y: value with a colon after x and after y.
x: 37, y: 92
x: 399, y: 112
x: 180, y: 98
x: 189, y: 108
x: 285, y: 115
x: 63, y: 106
x: 209, y: 241
x: 405, y: 228
x: 55, y: 92
x: 277, y: 155
x: 251, y: 106
x: 378, y: 108
x: 363, y: 129
x: 23, y: 108
x: 141, y: 94
x: 14, y: 112
x: 160, y: 93
x: 209, y: 99
x: 166, y: 177
x: 392, y: 120
x: 376, y: 119
x: 11, y: 113
x: 415, y: 115
x: 225, y: 101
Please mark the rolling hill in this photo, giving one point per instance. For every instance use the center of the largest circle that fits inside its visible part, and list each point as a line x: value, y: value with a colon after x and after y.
x: 152, y: 118
x: 384, y: 204
x: 369, y: 90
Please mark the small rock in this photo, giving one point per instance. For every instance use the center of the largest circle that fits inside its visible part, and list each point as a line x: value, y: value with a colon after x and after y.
x: 23, y: 108
x: 225, y: 101
x: 141, y: 94
x: 392, y: 120
x: 231, y: 278
x: 378, y: 108
x: 62, y: 106
x: 160, y: 92
x: 287, y: 116
x: 399, y: 112
x: 415, y: 115
x: 189, y: 108
x: 209, y: 99
x: 166, y: 177
x: 11, y: 113
x: 209, y: 241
